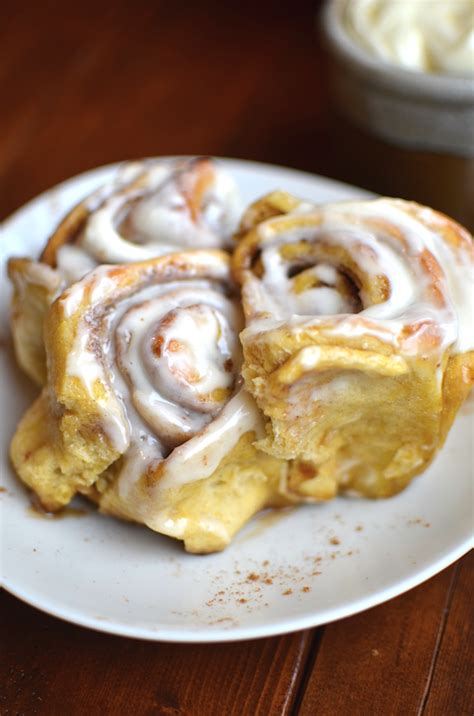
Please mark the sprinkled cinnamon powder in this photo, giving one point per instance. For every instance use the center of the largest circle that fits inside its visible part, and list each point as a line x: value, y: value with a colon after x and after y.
x: 418, y: 521
x: 249, y: 588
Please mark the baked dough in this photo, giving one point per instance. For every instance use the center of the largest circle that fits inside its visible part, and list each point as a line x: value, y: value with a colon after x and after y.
x: 358, y: 339
x: 144, y: 409
x: 150, y: 208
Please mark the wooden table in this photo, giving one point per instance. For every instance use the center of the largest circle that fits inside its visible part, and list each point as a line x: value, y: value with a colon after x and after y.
x: 101, y: 81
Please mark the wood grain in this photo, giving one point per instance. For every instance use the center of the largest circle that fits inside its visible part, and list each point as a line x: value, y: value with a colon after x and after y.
x: 451, y: 687
x: 412, y: 655
x: 57, y: 668
x: 83, y: 84
x: 91, y: 83
x: 379, y: 662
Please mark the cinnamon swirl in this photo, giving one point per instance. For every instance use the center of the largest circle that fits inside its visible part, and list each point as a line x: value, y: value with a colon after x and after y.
x: 144, y: 409
x: 149, y: 209
x: 359, y: 337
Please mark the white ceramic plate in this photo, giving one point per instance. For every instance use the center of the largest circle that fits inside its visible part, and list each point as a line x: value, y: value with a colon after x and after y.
x: 285, y: 571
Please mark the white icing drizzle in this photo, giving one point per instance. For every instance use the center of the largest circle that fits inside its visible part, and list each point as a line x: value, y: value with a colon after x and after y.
x: 198, y: 457
x: 431, y: 281
x: 169, y: 357
x: 153, y: 208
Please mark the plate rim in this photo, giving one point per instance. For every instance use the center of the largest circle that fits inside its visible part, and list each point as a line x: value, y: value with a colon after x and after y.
x: 234, y: 633
x: 231, y: 634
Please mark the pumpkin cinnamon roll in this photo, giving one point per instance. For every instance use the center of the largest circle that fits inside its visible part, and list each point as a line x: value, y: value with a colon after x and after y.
x: 359, y: 337
x: 150, y: 208
x: 144, y: 409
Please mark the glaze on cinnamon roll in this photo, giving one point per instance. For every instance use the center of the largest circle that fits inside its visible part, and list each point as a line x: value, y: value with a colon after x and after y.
x: 359, y: 337
x: 144, y: 409
x: 149, y: 209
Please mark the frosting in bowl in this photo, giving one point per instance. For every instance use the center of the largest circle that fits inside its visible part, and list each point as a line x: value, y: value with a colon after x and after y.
x: 433, y: 36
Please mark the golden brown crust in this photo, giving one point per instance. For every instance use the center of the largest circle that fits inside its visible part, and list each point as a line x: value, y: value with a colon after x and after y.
x: 193, y: 182
x: 58, y: 456
x: 35, y: 287
x: 136, y: 182
x: 205, y: 513
x: 66, y: 232
x: 66, y: 444
x: 354, y: 409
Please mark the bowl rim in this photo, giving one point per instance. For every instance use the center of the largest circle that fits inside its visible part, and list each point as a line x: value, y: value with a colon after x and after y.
x: 422, y: 85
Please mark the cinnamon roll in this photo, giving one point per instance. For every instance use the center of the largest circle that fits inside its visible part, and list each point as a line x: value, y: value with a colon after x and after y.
x: 144, y: 409
x: 359, y: 337
x: 150, y: 208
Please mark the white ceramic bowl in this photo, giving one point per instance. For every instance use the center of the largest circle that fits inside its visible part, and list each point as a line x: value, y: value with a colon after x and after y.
x: 414, y: 109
